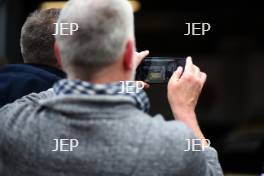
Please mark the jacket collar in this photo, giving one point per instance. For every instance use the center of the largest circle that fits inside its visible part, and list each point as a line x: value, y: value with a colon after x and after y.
x: 102, y: 91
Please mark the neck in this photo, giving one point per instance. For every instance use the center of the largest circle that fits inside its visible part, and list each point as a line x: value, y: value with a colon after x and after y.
x: 104, y: 76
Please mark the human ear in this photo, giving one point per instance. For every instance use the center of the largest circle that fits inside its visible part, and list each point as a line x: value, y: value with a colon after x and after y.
x: 57, y: 54
x: 128, y: 55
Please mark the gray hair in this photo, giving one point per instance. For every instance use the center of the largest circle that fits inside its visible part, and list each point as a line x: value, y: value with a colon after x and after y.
x: 36, y: 40
x: 104, y: 28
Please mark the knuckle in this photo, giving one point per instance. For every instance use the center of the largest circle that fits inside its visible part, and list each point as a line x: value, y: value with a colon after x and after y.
x: 188, y: 76
x: 205, y: 75
x: 197, y: 80
x: 197, y: 68
x: 202, y: 82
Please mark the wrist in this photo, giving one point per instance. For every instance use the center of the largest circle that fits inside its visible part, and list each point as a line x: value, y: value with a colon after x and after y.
x: 189, y: 118
x: 184, y: 114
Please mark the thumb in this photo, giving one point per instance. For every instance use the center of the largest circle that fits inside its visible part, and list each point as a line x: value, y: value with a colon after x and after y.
x: 143, y: 54
x: 140, y: 56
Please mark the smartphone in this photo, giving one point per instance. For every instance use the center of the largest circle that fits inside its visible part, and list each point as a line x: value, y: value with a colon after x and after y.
x: 158, y: 70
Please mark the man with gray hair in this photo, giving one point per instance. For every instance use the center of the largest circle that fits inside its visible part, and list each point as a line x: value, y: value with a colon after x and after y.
x: 88, y: 127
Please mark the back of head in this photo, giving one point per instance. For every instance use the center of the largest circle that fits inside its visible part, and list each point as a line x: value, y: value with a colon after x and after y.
x: 37, y: 41
x: 104, y: 28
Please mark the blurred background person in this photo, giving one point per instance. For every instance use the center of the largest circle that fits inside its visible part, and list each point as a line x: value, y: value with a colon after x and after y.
x: 40, y: 69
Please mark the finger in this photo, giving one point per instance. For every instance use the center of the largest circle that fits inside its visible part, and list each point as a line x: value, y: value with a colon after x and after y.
x: 144, y: 84
x: 189, y: 65
x: 177, y: 74
x: 203, y: 77
x: 197, y: 71
x: 140, y: 56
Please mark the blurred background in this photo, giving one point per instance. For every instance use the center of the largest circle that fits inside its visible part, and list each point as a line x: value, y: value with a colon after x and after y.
x: 231, y: 107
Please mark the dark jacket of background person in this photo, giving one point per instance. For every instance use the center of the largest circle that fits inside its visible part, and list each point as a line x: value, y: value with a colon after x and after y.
x: 3, y: 62
x: 115, y: 138
x: 18, y: 80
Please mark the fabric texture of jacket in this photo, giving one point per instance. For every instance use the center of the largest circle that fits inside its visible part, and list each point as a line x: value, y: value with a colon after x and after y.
x: 114, y: 139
